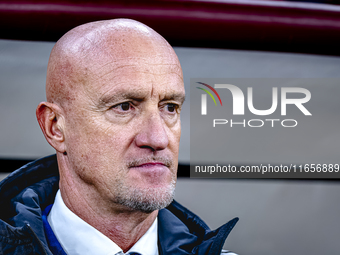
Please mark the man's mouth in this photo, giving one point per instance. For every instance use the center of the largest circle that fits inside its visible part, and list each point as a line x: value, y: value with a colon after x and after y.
x: 150, y: 162
x: 155, y: 169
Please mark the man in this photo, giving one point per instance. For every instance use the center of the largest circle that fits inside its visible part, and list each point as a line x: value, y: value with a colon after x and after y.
x: 114, y: 95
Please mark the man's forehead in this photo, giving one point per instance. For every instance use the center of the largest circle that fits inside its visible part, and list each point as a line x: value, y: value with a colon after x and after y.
x: 133, y: 77
x: 165, y: 81
x: 130, y: 69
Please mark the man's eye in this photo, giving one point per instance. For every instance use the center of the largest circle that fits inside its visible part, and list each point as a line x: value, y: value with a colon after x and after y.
x: 172, y: 107
x: 123, y: 106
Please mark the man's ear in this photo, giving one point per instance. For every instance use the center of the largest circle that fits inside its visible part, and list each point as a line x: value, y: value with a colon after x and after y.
x: 51, y: 123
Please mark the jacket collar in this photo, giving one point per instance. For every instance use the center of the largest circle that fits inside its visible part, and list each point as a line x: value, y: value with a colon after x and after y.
x: 183, y: 232
x: 25, y: 193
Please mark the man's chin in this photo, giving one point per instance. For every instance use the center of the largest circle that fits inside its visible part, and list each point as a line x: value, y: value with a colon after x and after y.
x: 147, y: 200
x: 147, y: 207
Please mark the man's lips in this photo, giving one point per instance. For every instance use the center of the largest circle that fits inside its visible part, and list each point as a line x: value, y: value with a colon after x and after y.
x: 154, y: 170
x: 150, y: 167
x: 151, y: 164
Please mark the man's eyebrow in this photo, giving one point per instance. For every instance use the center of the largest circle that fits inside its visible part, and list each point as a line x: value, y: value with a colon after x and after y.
x: 109, y: 99
x: 176, y: 97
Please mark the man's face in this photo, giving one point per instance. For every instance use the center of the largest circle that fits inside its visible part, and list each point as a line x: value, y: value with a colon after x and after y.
x: 123, y: 128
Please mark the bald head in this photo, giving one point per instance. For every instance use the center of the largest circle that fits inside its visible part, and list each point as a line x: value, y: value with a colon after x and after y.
x: 87, y: 50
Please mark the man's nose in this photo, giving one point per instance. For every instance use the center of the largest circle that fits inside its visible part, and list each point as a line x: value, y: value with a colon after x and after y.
x: 152, y: 133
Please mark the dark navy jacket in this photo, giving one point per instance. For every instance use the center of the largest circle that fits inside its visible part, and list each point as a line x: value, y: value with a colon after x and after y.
x: 26, y: 192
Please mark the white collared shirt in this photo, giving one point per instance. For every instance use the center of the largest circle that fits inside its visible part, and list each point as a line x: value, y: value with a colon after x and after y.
x: 77, y: 237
